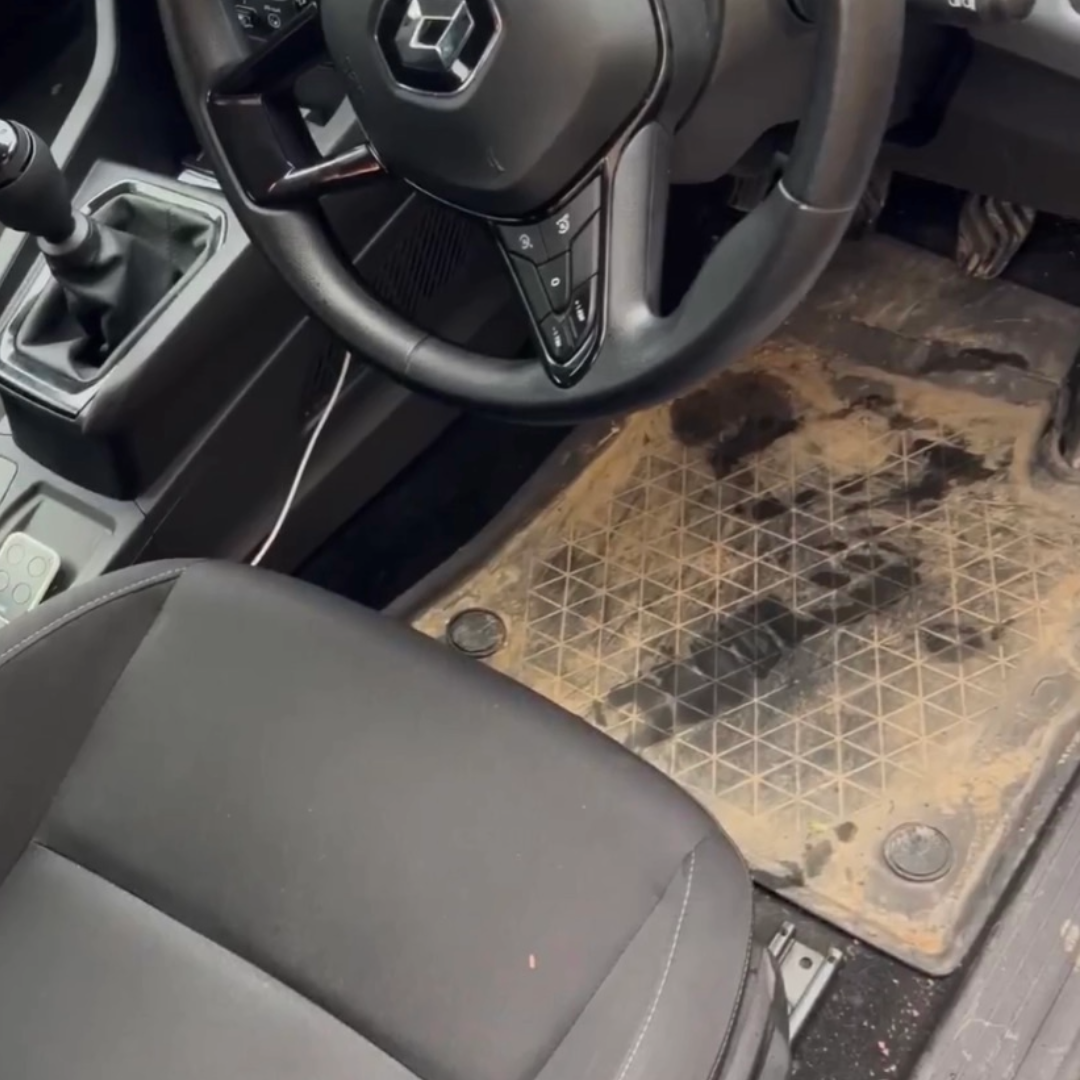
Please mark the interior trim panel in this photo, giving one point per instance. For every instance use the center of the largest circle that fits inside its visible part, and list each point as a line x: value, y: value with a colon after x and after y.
x: 1050, y: 35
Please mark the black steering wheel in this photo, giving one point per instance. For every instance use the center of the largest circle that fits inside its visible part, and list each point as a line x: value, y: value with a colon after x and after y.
x: 552, y: 119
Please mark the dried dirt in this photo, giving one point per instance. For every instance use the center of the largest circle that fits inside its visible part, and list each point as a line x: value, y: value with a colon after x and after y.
x: 791, y: 412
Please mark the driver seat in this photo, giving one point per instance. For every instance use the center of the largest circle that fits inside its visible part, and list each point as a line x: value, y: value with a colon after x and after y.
x: 248, y: 829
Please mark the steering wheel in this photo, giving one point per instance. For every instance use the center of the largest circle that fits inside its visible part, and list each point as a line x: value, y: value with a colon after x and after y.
x: 553, y: 120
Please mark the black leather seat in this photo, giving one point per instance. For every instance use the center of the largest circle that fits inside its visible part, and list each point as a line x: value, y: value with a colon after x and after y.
x: 250, y: 830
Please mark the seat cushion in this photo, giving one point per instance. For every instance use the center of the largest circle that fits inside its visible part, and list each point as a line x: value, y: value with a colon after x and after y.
x: 276, y: 809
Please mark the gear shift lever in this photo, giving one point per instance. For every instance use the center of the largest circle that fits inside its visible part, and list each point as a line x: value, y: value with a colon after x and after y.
x: 109, y: 279
x: 33, y: 195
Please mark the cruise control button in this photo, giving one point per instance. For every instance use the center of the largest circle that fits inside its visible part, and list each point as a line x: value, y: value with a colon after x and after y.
x: 526, y: 241
x: 582, y: 313
x: 586, y: 252
x: 533, y: 288
x: 561, y: 228
x: 556, y: 278
x: 560, y: 345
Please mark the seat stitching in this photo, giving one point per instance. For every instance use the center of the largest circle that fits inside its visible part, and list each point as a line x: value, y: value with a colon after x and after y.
x: 81, y: 610
x: 667, y: 971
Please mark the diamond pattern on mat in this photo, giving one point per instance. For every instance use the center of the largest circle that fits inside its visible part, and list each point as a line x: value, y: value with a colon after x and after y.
x: 792, y: 640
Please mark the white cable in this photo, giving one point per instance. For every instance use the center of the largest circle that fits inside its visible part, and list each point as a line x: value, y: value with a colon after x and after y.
x: 291, y: 497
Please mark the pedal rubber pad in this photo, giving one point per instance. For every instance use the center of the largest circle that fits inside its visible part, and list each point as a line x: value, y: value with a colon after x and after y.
x: 27, y: 570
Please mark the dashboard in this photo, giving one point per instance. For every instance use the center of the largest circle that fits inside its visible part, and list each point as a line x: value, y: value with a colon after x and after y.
x: 996, y: 83
x: 1045, y: 31
x: 1048, y: 35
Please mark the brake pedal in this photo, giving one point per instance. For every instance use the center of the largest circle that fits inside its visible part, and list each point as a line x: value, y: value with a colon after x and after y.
x: 28, y: 569
x: 991, y: 232
x: 806, y: 975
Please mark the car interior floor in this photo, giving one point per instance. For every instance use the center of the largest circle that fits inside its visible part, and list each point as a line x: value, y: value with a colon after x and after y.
x: 603, y: 536
x: 833, y: 595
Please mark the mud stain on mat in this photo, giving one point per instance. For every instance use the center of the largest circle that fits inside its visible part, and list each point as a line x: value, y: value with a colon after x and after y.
x: 826, y: 601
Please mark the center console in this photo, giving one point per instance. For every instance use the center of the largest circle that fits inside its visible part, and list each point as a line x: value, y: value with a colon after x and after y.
x: 111, y: 424
x: 178, y: 435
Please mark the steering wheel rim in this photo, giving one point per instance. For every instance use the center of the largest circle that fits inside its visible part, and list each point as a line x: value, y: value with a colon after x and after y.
x: 748, y: 285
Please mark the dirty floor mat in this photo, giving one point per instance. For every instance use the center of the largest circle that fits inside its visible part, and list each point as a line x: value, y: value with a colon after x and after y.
x: 828, y: 602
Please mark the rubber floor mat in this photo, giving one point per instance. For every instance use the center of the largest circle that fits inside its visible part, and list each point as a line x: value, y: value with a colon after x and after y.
x: 826, y: 601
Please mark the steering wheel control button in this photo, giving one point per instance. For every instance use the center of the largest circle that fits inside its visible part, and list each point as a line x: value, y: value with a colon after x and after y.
x: 582, y: 314
x: 557, y: 338
x: 561, y: 228
x: 248, y: 18
x: 526, y: 241
x: 556, y: 278
x: 586, y: 252
x: 533, y: 288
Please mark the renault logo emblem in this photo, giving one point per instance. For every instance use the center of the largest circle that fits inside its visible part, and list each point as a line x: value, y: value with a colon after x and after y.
x: 437, y: 46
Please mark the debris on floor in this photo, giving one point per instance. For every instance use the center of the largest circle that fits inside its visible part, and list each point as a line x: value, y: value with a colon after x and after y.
x: 828, y: 601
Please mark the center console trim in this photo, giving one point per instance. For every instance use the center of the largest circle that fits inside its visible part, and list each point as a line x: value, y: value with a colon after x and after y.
x: 43, y: 390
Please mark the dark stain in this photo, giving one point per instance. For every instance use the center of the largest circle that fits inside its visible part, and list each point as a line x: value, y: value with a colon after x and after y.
x: 944, y: 358
x: 846, y: 831
x: 764, y: 509
x: 952, y: 642
x: 830, y: 579
x: 737, y: 406
x: 878, y: 592
x: 792, y: 878
x: 816, y: 857
x: 945, y: 465
x: 867, y: 561
x: 754, y: 435
x: 770, y: 507
x: 721, y: 669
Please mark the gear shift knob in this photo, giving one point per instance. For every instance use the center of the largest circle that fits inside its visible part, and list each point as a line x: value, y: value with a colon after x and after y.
x: 34, y: 196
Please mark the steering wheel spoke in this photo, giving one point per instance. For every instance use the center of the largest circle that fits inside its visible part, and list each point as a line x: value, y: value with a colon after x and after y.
x: 559, y: 265
x: 263, y: 131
